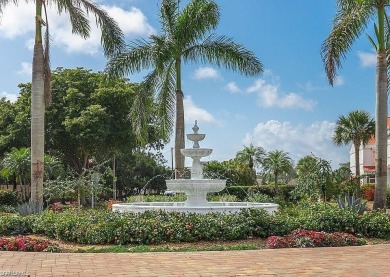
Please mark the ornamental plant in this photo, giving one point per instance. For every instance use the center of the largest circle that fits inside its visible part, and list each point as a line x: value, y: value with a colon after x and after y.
x: 23, y: 243
x: 301, y: 238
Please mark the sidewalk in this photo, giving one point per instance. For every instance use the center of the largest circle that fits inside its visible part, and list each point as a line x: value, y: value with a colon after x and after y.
x: 369, y: 260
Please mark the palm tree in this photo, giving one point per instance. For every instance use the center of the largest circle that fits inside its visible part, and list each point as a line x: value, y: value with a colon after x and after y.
x: 16, y: 163
x: 186, y: 37
x: 277, y: 162
x: 251, y: 155
x: 112, y: 41
x: 350, y: 21
x: 306, y: 165
x: 357, y: 127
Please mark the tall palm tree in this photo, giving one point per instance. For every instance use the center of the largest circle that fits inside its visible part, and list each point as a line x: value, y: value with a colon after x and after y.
x: 349, y: 22
x: 112, y: 41
x: 186, y: 37
x: 357, y: 127
x: 277, y: 162
x: 252, y: 155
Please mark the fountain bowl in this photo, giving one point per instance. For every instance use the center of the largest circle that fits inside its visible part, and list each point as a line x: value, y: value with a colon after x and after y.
x: 195, y: 186
x: 212, y: 207
x: 196, y: 152
x: 196, y: 137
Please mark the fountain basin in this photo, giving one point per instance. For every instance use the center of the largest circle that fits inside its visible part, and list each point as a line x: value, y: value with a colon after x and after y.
x: 212, y: 207
x: 196, y: 152
x: 196, y: 189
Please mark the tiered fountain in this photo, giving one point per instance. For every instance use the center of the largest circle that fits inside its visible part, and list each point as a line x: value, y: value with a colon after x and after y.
x: 195, y: 189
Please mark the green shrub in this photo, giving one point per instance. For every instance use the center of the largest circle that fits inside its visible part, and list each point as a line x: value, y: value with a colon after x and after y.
x: 375, y: 224
x: 9, y: 198
x: 178, y: 197
x: 152, y: 227
x: 388, y: 197
x: 241, y: 192
x: 8, y: 209
x: 11, y: 224
x: 221, y: 197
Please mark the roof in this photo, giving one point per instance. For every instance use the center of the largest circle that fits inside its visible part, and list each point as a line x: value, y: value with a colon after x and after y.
x: 372, y: 139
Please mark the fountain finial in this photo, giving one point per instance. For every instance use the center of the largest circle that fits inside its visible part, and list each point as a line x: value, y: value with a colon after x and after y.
x: 195, y: 128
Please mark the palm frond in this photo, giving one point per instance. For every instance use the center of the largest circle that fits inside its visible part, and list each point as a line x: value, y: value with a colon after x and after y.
x: 139, y: 114
x: 4, y: 3
x: 112, y: 36
x: 139, y: 56
x: 350, y: 21
x: 166, y: 98
x: 78, y: 18
x: 222, y: 51
x: 168, y: 16
x: 196, y: 20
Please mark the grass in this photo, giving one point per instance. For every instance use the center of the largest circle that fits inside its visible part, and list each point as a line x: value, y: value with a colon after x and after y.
x: 145, y: 248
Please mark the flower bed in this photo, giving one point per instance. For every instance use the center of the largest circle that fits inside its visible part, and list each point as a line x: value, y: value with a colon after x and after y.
x: 308, y: 238
x: 23, y: 243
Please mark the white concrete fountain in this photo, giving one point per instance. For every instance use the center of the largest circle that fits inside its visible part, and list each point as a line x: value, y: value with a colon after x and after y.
x: 196, y: 189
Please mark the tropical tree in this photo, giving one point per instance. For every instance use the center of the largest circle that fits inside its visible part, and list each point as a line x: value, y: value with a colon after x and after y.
x: 306, y: 165
x: 357, y: 127
x: 186, y: 37
x: 16, y: 164
x: 251, y: 155
x: 276, y: 163
x: 112, y: 41
x: 351, y: 19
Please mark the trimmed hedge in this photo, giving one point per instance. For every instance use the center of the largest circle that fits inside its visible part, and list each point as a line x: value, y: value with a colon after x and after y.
x: 242, y: 192
x: 156, y: 227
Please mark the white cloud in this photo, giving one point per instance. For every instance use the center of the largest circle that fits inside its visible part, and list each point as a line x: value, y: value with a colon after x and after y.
x: 19, y: 21
x: 367, y: 59
x: 9, y: 96
x: 298, y: 140
x: 206, y: 73
x: 309, y: 87
x: 132, y: 22
x: 26, y: 69
x: 233, y: 88
x: 192, y: 112
x: 270, y: 96
x: 339, y: 81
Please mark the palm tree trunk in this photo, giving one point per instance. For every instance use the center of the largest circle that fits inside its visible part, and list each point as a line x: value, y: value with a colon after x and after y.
x: 381, y: 132
x: 179, y: 132
x: 381, y: 114
x: 37, y: 117
x: 357, y: 166
x: 276, y: 182
x: 357, y: 158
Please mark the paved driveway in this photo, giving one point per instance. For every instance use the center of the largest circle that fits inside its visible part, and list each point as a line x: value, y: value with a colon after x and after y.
x: 370, y: 260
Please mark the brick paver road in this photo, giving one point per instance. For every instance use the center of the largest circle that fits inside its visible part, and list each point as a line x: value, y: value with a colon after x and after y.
x: 370, y: 260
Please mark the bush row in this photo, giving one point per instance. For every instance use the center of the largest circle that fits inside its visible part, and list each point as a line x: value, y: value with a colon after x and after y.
x: 243, y: 192
x: 154, y: 227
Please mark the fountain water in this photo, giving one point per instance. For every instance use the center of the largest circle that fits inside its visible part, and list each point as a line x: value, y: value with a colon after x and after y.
x: 195, y: 188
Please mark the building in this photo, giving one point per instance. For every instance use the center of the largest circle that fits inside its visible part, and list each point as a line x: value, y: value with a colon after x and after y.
x: 367, y: 156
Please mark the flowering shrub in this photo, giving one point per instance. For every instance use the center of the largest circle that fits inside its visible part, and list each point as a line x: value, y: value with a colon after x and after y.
x: 300, y: 238
x: 369, y: 194
x: 22, y: 243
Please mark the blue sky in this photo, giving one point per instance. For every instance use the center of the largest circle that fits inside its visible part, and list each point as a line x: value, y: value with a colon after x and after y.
x: 291, y: 107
